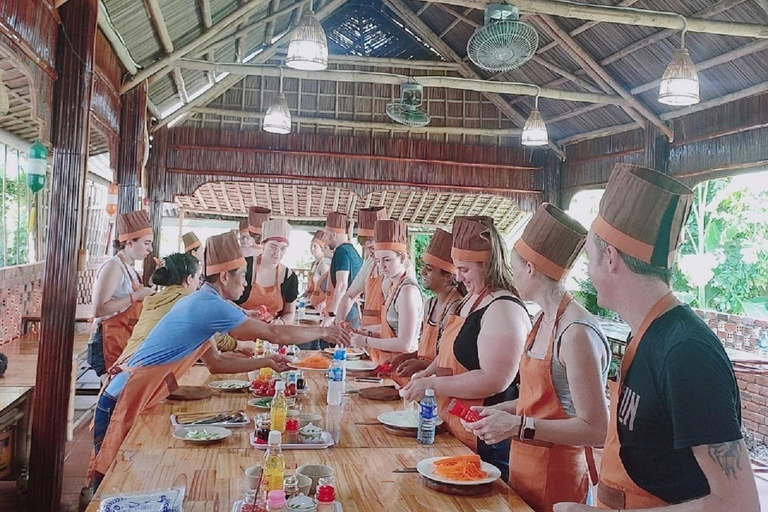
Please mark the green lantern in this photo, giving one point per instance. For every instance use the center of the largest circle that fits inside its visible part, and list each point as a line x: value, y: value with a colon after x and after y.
x: 37, y: 164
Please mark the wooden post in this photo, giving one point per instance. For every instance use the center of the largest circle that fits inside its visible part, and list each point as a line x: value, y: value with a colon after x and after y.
x: 553, y: 181
x: 72, y: 99
x: 656, y: 149
x: 132, y: 125
x: 156, y: 194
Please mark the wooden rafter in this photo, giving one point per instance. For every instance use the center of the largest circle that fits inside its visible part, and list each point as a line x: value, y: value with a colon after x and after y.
x: 432, y: 207
x: 596, y: 134
x: 458, y: 18
x: 230, y: 81
x: 420, y: 205
x: 270, y: 31
x: 601, y: 75
x: 408, y: 202
x: 425, y: 32
x: 205, y: 14
x: 116, y: 41
x: 448, y: 82
x: 162, y: 67
x: 158, y: 22
x: 637, y: 17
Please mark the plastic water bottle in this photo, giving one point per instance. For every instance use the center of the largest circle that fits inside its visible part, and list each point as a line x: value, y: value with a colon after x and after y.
x: 336, y: 378
x: 340, y: 353
x: 427, y: 418
x: 302, y: 311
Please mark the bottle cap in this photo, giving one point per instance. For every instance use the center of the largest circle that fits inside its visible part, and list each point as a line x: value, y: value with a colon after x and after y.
x: 429, y: 392
x: 279, y: 386
x: 276, y: 499
x: 275, y: 437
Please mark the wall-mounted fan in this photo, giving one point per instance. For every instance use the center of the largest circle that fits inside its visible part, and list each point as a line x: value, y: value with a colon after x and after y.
x: 406, y: 110
x: 503, y: 42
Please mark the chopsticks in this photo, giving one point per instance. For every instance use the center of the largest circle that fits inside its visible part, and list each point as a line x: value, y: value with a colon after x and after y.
x: 202, y: 415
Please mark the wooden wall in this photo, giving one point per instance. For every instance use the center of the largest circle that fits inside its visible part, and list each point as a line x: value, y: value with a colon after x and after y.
x: 105, y: 100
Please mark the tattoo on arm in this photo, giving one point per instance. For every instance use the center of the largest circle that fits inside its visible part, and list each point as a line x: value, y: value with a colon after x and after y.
x: 728, y: 457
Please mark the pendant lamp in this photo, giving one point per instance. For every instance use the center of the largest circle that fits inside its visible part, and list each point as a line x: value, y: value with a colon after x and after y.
x: 679, y: 85
x: 535, y: 130
x: 308, y: 48
x: 278, y: 117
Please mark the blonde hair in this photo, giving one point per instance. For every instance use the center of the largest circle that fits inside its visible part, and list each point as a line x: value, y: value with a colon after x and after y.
x: 498, y: 271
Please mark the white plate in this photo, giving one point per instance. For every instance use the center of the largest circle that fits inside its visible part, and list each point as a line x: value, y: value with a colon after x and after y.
x: 181, y: 434
x: 229, y: 385
x: 295, y: 367
x: 361, y: 366
x: 226, y: 424
x: 326, y: 440
x: 254, y: 402
x: 426, y: 468
x: 402, y: 419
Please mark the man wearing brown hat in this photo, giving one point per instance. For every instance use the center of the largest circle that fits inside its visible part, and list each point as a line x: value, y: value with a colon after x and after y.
x: 345, y: 265
x: 193, y: 245
x: 184, y: 335
x: 674, y: 435
x: 250, y: 231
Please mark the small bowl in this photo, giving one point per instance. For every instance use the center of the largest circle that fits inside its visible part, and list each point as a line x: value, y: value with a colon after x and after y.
x: 305, y: 484
x: 310, y: 437
x: 305, y: 418
x: 315, y: 472
x: 253, y: 477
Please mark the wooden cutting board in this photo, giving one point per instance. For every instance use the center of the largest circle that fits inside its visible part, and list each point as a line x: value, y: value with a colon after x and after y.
x: 380, y: 393
x: 191, y: 393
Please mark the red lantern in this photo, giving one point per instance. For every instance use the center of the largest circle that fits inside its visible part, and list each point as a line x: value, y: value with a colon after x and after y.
x: 112, y: 192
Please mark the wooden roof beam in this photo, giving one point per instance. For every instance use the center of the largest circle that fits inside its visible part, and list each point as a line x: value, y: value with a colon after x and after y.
x: 230, y: 81
x: 447, y: 82
x: 601, y: 75
x: 458, y: 18
x: 162, y: 67
x: 117, y: 43
x: 270, y: 32
x: 158, y: 22
x: 425, y: 32
x: 205, y: 14
x: 625, y: 16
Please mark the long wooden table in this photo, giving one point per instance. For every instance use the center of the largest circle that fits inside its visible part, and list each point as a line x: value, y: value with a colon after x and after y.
x: 364, y: 457
x: 83, y: 314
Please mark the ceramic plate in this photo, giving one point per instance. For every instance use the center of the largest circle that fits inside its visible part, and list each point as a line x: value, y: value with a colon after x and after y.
x: 402, y: 419
x: 229, y: 385
x: 245, y: 420
x: 427, y: 469
x: 296, y: 366
x: 266, y: 402
x: 207, y: 434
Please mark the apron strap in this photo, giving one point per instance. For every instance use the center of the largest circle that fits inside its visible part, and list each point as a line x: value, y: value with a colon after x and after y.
x: 591, y: 466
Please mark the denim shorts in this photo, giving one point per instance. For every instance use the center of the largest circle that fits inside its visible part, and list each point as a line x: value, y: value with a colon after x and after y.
x: 96, y: 352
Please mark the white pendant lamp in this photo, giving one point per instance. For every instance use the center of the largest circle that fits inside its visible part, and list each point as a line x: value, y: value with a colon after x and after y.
x: 308, y: 48
x: 535, y: 130
x: 278, y: 116
x: 679, y: 85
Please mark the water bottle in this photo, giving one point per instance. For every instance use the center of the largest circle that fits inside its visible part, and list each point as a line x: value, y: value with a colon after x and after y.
x: 302, y: 312
x: 427, y: 418
x: 340, y: 353
x: 336, y: 378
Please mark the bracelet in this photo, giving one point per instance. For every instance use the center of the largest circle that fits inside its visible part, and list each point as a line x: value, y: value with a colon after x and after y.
x: 522, y: 425
x: 366, y: 342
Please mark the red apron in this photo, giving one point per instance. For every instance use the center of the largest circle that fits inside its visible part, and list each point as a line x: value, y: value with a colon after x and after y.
x: 379, y: 356
x: 315, y: 290
x: 269, y: 296
x: 117, y: 330
x: 616, y: 489
x: 545, y: 473
x: 374, y: 299
x: 145, y: 388
x: 449, y: 365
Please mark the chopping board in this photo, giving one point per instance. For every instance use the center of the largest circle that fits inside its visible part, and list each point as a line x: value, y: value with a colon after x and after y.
x: 380, y: 393
x: 190, y: 393
x: 457, y: 490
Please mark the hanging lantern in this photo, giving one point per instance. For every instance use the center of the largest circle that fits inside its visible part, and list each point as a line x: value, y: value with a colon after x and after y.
x: 37, y: 165
x: 278, y: 116
x: 679, y: 86
x: 112, y: 192
x: 308, y: 48
x: 535, y: 130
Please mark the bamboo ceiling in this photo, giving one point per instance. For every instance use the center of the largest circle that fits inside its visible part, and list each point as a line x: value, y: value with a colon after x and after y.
x: 421, y: 209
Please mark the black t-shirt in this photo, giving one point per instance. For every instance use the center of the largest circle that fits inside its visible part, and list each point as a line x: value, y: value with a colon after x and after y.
x: 679, y: 392
x: 289, y: 289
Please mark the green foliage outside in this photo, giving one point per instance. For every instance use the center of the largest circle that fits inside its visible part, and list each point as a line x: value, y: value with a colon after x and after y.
x: 420, y: 243
x: 15, y: 208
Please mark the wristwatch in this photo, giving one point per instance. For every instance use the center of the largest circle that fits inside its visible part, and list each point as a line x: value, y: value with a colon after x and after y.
x: 332, y: 315
x: 528, y: 429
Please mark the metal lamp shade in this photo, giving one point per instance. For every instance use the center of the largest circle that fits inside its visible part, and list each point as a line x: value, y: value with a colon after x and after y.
x: 535, y: 130
x: 679, y: 86
x: 308, y: 48
x: 278, y: 117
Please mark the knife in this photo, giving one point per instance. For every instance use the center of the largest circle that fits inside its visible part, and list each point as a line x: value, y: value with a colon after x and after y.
x: 405, y: 470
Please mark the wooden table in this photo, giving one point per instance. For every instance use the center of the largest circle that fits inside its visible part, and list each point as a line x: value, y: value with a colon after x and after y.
x: 15, y: 408
x: 83, y: 314
x: 363, y: 458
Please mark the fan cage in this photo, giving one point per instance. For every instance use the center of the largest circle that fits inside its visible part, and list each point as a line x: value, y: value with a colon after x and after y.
x: 502, y: 45
x: 406, y: 114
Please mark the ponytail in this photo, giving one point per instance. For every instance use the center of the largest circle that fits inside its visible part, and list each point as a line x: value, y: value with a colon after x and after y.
x: 175, y: 269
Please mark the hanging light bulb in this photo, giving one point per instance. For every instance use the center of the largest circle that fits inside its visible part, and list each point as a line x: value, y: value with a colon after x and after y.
x: 308, y: 48
x: 112, y: 191
x: 534, y: 130
x: 679, y: 85
x: 278, y: 116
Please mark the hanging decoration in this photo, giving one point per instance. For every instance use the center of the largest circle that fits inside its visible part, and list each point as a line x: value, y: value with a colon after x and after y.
x: 679, y: 85
x: 112, y: 193
x: 37, y: 166
x: 278, y: 116
x: 535, y: 130
x: 308, y: 48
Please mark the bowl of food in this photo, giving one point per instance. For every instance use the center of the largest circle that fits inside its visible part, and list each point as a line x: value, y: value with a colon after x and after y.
x: 315, y: 472
x: 305, y: 418
x: 201, y: 435
x: 310, y: 433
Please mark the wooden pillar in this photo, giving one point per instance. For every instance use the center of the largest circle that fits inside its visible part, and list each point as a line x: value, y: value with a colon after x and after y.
x: 133, y: 118
x: 156, y: 195
x: 656, y: 149
x: 72, y: 99
x: 553, y: 178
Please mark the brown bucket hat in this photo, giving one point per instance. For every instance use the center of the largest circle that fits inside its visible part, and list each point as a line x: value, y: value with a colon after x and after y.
x: 438, y: 252
x: 471, y: 239
x: 256, y: 217
x: 190, y: 241
x: 336, y: 222
x: 390, y: 235
x: 367, y: 217
x: 133, y: 225
x: 222, y: 253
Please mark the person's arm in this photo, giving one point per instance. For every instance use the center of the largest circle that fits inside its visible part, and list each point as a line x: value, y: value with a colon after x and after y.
x: 225, y: 342
x: 290, y: 292
x: 728, y: 471
x: 503, y: 331
x: 582, y: 353
x: 408, y: 306
x: 353, y: 292
x: 106, y: 284
x: 341, y: 287
x: 216, y: 363
x: 253, y: 329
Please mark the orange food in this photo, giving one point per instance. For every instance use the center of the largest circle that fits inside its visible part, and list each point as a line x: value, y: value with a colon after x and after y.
x: 315, y: 362
x: 461, y: 468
